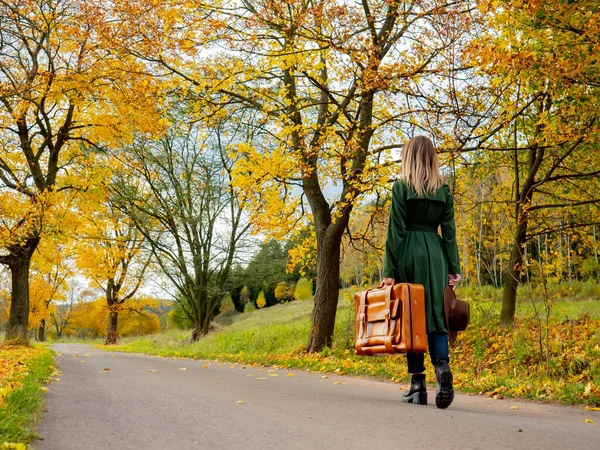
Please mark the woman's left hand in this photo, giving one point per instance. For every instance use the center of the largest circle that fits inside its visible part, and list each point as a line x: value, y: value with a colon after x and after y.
x: 453, y: 280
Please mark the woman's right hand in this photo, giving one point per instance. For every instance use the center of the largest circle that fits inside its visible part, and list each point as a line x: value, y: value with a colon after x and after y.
x: 388, y: 281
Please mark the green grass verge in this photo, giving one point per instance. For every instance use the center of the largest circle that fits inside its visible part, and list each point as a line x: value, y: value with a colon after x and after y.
x: 517, y: 362
x: 23, y: 405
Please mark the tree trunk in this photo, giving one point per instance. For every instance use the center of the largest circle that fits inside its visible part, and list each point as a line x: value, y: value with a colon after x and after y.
x: 326, y: 295
x: 42, y: 331
x: 513, y: 273
x: 111, y: 337
x: 16, y: 329
x: 197, y: 333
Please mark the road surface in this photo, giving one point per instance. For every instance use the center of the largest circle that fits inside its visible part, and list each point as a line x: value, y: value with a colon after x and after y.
x: 126, y: 401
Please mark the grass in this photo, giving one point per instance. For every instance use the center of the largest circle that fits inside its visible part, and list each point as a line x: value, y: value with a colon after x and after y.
x: 519, y: 362
x: 24, y: 371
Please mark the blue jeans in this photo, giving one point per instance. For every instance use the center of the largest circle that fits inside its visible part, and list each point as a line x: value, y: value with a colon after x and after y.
x: 438, y: 349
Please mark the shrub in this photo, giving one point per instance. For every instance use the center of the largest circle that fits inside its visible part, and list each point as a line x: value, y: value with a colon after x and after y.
x: 283, y: 292
x: 303, y: 289
x: 249, y: 307
x: 226, y: 304
x: 261, y: 302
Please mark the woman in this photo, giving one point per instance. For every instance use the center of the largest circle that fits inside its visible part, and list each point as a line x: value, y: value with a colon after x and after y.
x: 416, y: 253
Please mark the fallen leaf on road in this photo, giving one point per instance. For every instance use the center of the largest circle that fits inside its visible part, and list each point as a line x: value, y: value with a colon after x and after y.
x: 324, y: 376
x: 240, y: 402
x: 251, y: 375
x: 273, y: 375
x: 204, y: 367
x: 233, y: 366
x: 220, y: 364
x: 589, y: 408
x: 514, y: 407
x: 263, y: 378
x: 106, y: 369
x: 83, y: 360
x: 589, y: 421
x: 262, y: 369
x: 182, y: 368
x: 290, y: 375
x: 150, y: 370
x: 339, y: 382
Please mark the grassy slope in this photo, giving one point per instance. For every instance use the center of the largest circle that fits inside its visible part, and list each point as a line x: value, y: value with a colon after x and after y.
x: 23, y: 403
x: 488, y: 359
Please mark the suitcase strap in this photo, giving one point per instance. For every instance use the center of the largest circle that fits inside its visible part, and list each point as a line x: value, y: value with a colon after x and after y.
x: 363, y: 320
x: 388, y: 319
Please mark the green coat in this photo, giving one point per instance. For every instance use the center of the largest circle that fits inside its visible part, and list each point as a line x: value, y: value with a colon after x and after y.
x: 415, y: 252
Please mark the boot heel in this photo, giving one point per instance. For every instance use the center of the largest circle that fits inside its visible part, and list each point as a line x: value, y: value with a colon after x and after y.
x: 418, y: 398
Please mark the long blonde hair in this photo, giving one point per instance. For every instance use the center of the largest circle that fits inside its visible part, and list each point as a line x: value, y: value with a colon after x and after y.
x: 420, y: 166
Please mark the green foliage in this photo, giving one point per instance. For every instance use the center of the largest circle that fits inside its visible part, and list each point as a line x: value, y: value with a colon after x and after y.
x: 266, y: 270
x: 178, y: 319
x: 590, y: 269
x: 249, y: 307
x: 303, y: 289
x: 260, y: 301
x: 226, y: 304
x: 23, y: 405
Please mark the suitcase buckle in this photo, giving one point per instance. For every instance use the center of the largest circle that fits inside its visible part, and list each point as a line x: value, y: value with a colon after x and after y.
x: 387, y: 313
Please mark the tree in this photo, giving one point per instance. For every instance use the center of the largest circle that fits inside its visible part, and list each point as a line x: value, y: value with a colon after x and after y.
x: 178, y: 193
x: 327, y: 83
x: 52, y: 266
x: 56, y: 94
x: 62, y: 315
x: 540, y: 59
x: 111, y: 254
x: 335, y: 82
x: 265, y: 270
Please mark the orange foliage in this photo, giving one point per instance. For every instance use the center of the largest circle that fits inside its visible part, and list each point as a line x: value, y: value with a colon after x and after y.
x: 90, y: 319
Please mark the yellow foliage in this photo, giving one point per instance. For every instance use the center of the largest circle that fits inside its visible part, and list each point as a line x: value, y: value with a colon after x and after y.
x: 303, y: 289
x: 261, y: 301
x: 283, y: 292
x: 14, y: 365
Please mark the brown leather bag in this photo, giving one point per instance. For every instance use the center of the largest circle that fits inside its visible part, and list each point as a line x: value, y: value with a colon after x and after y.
x: 390, y: 319
x: 458, y: 314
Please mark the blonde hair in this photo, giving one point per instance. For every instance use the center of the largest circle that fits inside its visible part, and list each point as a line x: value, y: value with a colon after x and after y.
x: 420, y: 166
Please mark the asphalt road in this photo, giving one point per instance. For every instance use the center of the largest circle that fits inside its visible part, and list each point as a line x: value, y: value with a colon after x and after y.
x: 142, y: 402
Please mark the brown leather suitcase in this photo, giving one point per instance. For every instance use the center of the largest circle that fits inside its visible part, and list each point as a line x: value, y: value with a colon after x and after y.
x: 390, y: 319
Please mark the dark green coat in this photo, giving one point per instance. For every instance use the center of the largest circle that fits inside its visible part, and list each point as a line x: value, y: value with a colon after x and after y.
x: 415, y: 252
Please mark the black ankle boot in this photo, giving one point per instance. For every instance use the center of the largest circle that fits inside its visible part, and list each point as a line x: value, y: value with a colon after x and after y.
x: 445, y: 393
x: 417, y: 393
